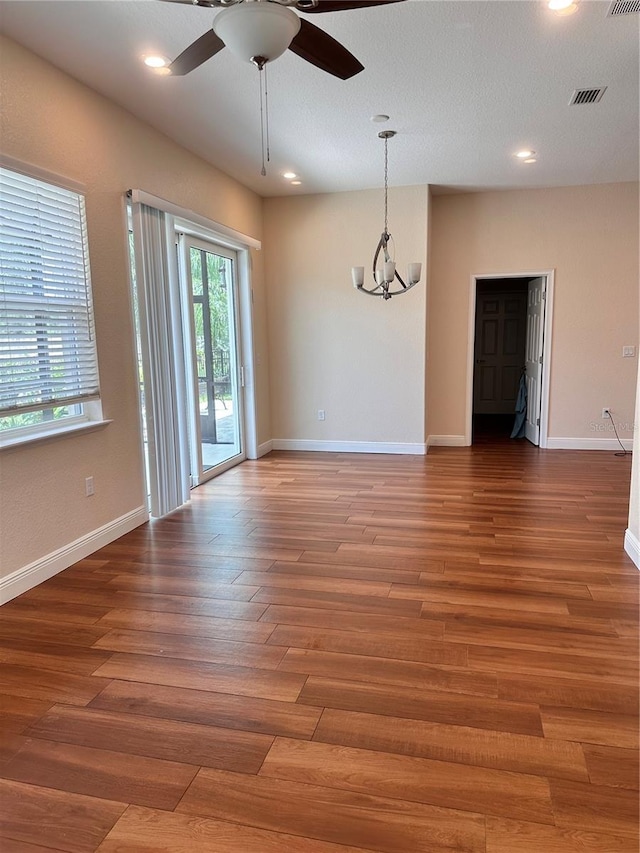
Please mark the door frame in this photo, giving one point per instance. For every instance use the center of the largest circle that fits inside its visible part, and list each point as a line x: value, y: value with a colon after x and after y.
x: 546, y: 347
x: 246, y: 350
x: 185, y: 243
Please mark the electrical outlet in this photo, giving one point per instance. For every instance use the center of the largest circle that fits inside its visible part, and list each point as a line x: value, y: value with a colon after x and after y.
x: 606, y: 412
x: 320, y: 414
x: 89, y: 488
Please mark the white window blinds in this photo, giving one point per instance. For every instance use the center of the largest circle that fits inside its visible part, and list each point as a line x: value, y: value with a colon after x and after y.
x: 47, y: 342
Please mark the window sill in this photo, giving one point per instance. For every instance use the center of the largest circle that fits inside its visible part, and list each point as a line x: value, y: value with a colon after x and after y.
x: 50, y: 435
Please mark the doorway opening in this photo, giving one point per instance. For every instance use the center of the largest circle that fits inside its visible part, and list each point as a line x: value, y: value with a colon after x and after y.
x: 509, y: 348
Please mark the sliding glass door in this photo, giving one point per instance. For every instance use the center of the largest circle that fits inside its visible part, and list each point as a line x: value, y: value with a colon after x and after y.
x: 191, y: 298
x: 211, y: 310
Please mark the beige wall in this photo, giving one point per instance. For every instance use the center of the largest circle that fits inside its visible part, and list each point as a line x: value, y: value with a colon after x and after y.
x: 589, y: 235
x: 52, y: 121
x: 357, y: 357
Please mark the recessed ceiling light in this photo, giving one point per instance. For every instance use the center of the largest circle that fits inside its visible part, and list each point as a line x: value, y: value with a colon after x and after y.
x: 155, y: 61
x: 522, y: 155
x: 380, y: 118
x: 289, y: 175
x: 531, y: 160
x: 563, y: 7
x: 295, y: 183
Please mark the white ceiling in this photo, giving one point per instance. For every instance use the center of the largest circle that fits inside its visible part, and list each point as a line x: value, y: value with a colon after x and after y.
x: 466, y: 84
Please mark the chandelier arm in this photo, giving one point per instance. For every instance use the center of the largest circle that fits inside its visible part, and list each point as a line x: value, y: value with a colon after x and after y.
x: 376, y: 291
x: 382, y: 245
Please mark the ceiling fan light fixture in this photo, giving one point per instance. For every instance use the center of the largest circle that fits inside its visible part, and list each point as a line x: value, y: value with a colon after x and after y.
x: 253, y: 30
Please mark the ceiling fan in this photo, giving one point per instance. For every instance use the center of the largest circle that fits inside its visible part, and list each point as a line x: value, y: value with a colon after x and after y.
x: 260, y: 31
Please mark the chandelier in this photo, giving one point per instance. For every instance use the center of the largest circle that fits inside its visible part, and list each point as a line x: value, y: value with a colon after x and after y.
x: 387, y: 282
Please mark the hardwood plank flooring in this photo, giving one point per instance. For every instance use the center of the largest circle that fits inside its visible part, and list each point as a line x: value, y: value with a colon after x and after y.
x: 596, y: 808
x: 613, y: 766
x: 406, y: 648
x: 44, y: 816
x: 439, y: 783
x: 590, y: 727
x: 458, y: 744
x: 389, y: 825
x: 510, y: 836
x: 325, y: 653
x: 103, y: 773
x: 222, y: 678
x: 433, y: 705
x: 184, y: 647
x: 170, y: 740
x: 379, y: 670
x: 186, y: 625
x: 241, y: 713
x: 153, y: 831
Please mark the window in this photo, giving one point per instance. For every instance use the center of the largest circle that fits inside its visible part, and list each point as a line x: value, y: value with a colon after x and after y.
x: 48, y: 364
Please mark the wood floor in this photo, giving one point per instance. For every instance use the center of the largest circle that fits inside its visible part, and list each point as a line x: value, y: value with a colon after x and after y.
x: 327, y: 653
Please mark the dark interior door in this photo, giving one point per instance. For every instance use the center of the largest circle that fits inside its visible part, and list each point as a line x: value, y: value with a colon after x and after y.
x: 501, y: 320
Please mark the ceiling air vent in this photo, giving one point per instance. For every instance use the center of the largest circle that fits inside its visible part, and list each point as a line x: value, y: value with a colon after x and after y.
x: 587, y: 96
x: 623, y: 7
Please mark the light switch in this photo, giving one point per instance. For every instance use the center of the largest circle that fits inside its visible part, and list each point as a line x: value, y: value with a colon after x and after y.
x: 628, y: 352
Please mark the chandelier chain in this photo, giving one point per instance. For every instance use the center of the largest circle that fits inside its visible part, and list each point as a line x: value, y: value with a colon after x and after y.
x: 386, y: 185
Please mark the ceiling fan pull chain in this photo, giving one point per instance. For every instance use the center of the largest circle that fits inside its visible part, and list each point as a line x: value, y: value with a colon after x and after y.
x: 266, y: 111
x: 263, y: 171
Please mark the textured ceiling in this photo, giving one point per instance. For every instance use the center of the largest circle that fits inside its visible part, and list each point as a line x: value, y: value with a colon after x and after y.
x: 466, y: 84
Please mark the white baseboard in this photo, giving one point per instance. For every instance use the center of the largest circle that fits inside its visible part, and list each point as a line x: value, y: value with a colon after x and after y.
x: 350, y: 446
x: 588, y: 444
x: 446, y: 441
x: 46, y: 567
x: 264, y: 448
x: 632, y: 546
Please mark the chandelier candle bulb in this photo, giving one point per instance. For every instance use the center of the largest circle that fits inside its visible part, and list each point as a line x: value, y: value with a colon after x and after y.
x: 357, y: 274
x: 413, y: 273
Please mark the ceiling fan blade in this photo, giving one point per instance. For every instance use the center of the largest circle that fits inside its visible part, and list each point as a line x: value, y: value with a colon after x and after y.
x: 323, y: 51
x: 206, y: 3
x: 340, y: 5
x: 202, y: 49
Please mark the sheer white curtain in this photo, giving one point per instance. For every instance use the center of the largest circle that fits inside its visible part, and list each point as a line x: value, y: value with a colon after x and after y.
x: 160, y: 322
